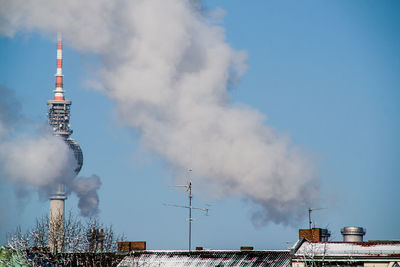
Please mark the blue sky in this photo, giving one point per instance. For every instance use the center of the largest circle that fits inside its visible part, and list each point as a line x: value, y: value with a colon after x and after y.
x: 326, y: 73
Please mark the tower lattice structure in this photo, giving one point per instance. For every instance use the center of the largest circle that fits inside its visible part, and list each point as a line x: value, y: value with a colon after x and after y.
x: 59, y: 119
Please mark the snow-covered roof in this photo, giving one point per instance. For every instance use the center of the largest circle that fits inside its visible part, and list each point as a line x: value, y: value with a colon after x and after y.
x: 208, y: 258
x: 346, y: 249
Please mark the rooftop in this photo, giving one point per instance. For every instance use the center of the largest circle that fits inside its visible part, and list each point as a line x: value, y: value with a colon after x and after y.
x: 347, y: 249
x: 208, y: 258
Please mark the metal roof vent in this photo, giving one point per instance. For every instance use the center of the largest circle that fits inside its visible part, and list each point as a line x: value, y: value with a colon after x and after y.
x: 325, y: 234
x: 353, y: 234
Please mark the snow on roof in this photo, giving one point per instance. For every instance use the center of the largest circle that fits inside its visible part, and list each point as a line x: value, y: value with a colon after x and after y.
x: 207, y: 258
x: 370, y: 248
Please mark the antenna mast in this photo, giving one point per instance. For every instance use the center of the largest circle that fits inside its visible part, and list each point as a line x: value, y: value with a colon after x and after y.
x: 190, y: 208
x: 190, y: 214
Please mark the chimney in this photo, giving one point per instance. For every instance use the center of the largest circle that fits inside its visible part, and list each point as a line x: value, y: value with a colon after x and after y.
x: 246, y: 248
x: 353, y: 234
x: 100, y: 240
x: 325, y: 234
x: 131, y: 246
x: 96, y: 239
x: 315, y: 234
x: 92, y: 240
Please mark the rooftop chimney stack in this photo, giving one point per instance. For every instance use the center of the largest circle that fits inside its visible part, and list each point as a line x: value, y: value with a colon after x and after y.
x: 246, y: 248
x: 315, y: 234
x: 353, y: 234
x: 131, y: 246
x: 96, y: 240
x: 59, y: 115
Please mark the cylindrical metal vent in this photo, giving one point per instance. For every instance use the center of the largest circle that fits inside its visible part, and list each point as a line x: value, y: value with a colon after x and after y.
x: 353, y: 234
x: 325, y: 234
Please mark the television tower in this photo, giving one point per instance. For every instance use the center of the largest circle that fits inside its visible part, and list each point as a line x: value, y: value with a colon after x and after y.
x: 59, y: 115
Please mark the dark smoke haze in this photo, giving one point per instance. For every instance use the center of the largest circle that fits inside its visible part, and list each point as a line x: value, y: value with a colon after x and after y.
x: 86, y: 190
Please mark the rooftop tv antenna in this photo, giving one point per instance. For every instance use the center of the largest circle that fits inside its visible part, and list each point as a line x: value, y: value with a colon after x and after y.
x: 309, y: 214
x: 190, y: 207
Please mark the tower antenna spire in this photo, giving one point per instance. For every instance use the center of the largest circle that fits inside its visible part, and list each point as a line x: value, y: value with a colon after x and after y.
x: 59, y: 92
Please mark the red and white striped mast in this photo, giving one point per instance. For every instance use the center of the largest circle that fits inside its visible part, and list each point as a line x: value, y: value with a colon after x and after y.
x: 59, y: 92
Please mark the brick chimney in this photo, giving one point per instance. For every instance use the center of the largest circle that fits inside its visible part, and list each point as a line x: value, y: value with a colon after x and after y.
x: 314, y: 234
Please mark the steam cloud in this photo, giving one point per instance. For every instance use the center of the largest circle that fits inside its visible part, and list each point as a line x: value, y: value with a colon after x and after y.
x: 167, y: 65
x: 40, y: 161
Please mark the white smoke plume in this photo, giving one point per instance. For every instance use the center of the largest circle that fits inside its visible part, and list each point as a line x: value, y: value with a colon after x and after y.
x: 39, y: 161
x: 36, y: 161
x: 168, y: 66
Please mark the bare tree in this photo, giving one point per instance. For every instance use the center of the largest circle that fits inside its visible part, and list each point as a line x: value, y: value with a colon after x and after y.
x: 18, y: 244
x: 40, y: 231
x: 74, y: 236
